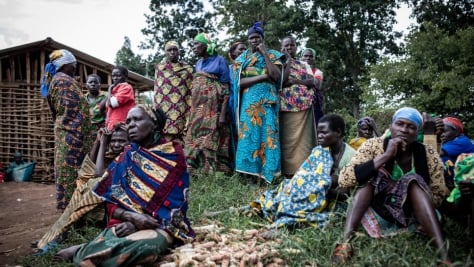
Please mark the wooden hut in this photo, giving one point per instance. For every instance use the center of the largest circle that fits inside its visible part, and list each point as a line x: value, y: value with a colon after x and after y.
x: 25, y: 119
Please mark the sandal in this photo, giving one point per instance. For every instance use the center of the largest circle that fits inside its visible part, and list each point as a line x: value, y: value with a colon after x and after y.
x: 341, y: 254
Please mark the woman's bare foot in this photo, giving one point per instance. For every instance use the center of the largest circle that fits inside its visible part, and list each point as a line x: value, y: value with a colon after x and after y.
x: 66, y: 254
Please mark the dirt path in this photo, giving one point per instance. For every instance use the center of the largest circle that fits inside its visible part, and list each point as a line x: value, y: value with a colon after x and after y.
x: 27, y: 210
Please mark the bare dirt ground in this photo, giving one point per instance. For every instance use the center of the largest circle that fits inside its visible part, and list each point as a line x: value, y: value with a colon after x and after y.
x: 27, y: 210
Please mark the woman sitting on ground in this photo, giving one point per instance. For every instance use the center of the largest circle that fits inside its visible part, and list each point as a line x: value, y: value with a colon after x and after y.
x: 454, y: 143
x: 83, y: 201
x: 305, y: 198
x: 146, y: 190
x: 399, y: 178
x: 366, y: 129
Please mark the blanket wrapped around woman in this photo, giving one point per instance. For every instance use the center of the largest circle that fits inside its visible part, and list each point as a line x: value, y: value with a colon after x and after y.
x: 147, y: 180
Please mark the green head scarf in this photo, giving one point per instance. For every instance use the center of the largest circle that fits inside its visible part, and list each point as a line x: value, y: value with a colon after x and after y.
x: 203, y: 38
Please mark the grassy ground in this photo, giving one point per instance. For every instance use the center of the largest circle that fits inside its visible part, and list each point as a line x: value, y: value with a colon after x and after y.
x: 215, y: 193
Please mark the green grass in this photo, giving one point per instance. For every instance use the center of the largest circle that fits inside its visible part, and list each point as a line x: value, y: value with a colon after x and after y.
x: 218, y: 193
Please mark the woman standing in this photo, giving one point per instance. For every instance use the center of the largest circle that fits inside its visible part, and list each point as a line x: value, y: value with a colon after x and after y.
x: 71, y: 122
x: 257, y: 75
x: 173, y: 81
x: 96, y: 100
x: 399, y: 179
x: 207, y: 138
x: 297, y: 127
x: 235, y: 50
x: 309, y: 55
x: 120, y: 97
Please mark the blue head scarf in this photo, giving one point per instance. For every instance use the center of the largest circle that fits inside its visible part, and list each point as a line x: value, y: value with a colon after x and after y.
x: 57, y: 58
x: 410, y: 114
x: 256, y: 28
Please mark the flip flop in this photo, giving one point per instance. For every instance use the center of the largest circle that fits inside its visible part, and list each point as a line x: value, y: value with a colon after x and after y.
x: 341, y: 254
x: 45, y: 249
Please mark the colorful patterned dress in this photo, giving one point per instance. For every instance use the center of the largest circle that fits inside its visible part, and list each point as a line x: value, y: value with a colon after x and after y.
x: 297, y: 127
x: 302, y: 199
x: 71, y: 131
x: 207, y: 143
x: 173, y: 83
x: 258, y: 146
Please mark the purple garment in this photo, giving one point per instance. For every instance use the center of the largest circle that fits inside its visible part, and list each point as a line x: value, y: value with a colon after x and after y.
x: 216, y: 65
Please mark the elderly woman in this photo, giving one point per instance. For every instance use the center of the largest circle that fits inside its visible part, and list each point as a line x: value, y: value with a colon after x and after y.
x: 72, y: 125
x: 257, y: 75
x: 208, y: 135
x: 400, y: 179
x: 308, y: 197
x: 454, y: 143
x: 366, y: 129
x: 146, y: 190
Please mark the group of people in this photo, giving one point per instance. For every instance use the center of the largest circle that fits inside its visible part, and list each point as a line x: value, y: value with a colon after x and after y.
x: 132, y: 171
x: 260, y: 116
x: 256, y: 115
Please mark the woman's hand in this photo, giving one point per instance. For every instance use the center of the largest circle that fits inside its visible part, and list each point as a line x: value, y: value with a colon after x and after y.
x: 124, y: 229
x: 141, y: 221
x: 394, y: 145
x: 261, y: 48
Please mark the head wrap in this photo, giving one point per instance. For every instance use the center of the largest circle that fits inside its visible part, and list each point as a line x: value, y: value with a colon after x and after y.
x: 369, y: 121
x: 171, y: 43
x: 410, y: 114
x: 204, y: 38
x: 233, y: 47
x: 309, y: 49
x: 58, y: 58
x: 18, y: 154
x: 455, y: 123
x: 256, y: 28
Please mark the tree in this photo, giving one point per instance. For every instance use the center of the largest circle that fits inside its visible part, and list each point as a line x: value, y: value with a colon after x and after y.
x: 436, y: 76
x: 278, y: 18
x: 350, y: 35
x: 127, y: 58
x: 178, y: 20
x: 447, y: 15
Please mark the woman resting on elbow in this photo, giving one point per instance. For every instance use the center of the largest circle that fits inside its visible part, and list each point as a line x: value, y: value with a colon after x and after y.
x: 146, y: 191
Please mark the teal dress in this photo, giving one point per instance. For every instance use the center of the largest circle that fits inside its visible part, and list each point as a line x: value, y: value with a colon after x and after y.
x: 256, y: 110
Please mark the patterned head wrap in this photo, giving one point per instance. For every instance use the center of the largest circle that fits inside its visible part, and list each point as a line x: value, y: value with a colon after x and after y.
x: 204, y: 38
x: 256, y: 28
x: 410, y: 114
x: 58, y: 58
x: 171, y: 43
x: 455, y: 123
x: 310, y: 50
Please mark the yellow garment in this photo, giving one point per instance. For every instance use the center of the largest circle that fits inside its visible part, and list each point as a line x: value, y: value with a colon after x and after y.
x: 356, y: 142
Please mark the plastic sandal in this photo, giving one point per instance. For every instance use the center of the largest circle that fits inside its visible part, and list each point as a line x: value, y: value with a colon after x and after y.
x: 45, y: 249
x: 341, y: 254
